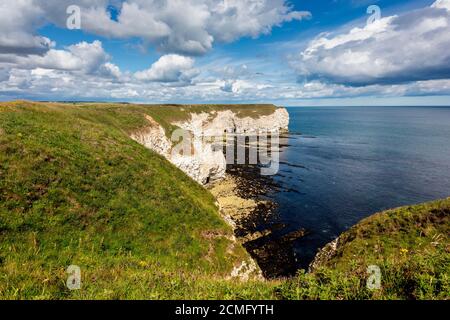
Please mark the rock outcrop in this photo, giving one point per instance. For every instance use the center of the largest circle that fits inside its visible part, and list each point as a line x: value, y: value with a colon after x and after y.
x: 206, y: 163
x: 216, y: 124
x: 325, y: 254
x: 153, y: 137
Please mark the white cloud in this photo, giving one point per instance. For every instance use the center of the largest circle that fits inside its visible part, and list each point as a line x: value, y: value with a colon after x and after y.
x: 178, y: 26
x: 397, y: 49
x: 83, y: 57
x: 241, y: 86
x: 32, y: 65
x: 169, y: 68
x: 134, y: 21
x: 90, y: 55
x: 110, y: 70
x: 374, y: 61
x: 444, y: 4
x: 18, y: 23
x: 124, y: 94
x: 49, y: 84
x: 233, y: 19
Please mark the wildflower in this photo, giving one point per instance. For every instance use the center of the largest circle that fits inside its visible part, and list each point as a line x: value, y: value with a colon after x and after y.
x: 143, y: 264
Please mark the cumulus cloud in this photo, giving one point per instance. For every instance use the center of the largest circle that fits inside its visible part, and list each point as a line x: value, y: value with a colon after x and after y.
x: 110, y: 70
x: 403, y: 55
x: 18, y: 23
x: 85, y: 57
x: 169, y: 68
x: 32, y: 64
x: 89, y: 55
x: 444, y: 4
x: 177, y: 26
x: 47, y: 84
x: 233, y: 19
x: 396, y: 49
x: 241, y: 86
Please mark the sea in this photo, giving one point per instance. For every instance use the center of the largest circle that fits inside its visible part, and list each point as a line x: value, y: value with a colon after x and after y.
x: 342, y: 164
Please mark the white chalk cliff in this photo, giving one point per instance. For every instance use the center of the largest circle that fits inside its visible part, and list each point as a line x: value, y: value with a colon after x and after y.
x: 205, y: 163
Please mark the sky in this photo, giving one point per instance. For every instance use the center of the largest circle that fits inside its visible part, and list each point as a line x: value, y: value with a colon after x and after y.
x: 290, y: 53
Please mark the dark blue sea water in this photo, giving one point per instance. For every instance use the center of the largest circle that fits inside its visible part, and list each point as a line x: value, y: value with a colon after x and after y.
x: 346, y: 163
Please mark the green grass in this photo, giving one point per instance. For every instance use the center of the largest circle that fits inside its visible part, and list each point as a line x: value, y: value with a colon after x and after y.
x: 76, y: 190
x: 410, y: 245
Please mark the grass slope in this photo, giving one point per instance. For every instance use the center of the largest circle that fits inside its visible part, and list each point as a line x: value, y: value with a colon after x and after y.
x: 410, y: 245
x: 74, y: 189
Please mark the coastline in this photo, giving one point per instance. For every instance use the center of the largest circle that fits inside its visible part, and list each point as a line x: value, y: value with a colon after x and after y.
x: 164, y: 230
x: 239, y: 189
x: 254, y: 219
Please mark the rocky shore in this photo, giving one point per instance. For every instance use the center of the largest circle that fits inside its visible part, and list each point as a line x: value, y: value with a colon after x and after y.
x: 242, y: 202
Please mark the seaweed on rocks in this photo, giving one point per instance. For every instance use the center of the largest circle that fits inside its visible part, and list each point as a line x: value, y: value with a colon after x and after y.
x: 262, y: 233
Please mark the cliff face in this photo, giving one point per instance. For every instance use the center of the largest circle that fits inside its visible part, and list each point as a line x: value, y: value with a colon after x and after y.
x: 216, y: 124
x: 154, y: 138
x: 204, y: 163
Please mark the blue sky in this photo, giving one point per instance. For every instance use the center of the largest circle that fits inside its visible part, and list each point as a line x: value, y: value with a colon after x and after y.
x: 320, y: 52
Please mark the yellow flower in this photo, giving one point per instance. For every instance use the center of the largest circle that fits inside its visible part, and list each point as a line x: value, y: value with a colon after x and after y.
x: 404, y: 251
x: 143, y: 264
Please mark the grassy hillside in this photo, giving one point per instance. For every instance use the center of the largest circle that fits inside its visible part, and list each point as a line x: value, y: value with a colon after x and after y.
x: 410, y: 245
x: 76, y: 190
